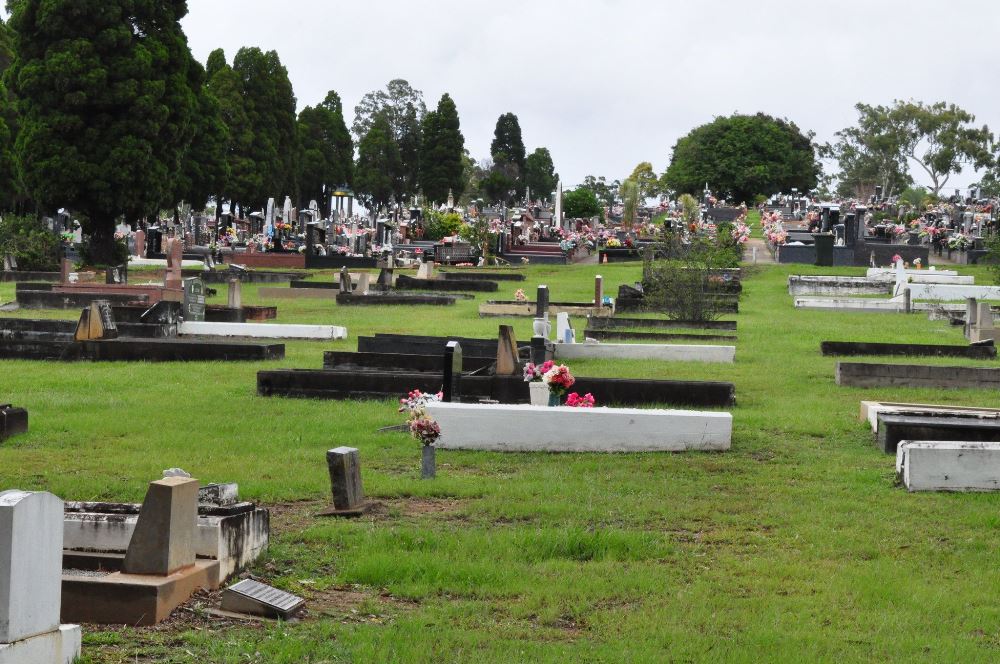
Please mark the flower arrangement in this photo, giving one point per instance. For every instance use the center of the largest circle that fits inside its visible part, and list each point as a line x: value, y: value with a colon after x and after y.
x: 534, y: 373
x: 740, y: 232
x: 425, y: 429
x: 959, y: 242
x: 416, y: 401
x: 574, y: 400
x: 917, y: 263
x: 896, y: 260
x: 422, y: 427
x: 520, y: 296
x: 559, y: 379
x: 613, y: 243
x: 524, y: 260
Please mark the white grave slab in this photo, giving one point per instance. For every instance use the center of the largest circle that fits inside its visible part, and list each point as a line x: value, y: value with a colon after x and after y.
x: 889, y: 273
x: 262, y: 330
x: 562, y: 429
x: 948, y: 465
x: 870, y: 410
x: 662, y: 352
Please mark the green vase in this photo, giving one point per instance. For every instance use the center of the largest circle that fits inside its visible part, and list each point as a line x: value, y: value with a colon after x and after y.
x: 554, y: 399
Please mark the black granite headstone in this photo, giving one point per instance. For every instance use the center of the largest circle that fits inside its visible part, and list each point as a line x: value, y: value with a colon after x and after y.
x: 453, y: 371
x: 542, y: 301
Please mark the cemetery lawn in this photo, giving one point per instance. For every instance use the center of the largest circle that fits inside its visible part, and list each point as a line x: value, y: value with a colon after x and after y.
x: 793, y: 546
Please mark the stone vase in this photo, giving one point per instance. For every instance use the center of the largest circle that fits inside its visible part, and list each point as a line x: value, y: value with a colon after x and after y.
x: 539, y: 393
x: 428, y: 463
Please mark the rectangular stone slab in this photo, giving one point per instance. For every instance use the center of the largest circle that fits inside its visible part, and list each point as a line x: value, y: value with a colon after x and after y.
x: 870, y: 410
x: 948, y: 465
x: 624, y: 335
x: 979, y: 352
x: 164, y: 537
x: 863, y: 374
x: 263, y: 330
x: 894, y: 428
x: 542, y: 429
x: 661, y: 352
x: 61, y: 646
x: 618, y: 322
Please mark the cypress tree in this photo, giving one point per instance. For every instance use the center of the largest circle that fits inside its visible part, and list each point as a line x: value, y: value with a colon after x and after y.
x: 441, y: 165
x: 379, y: 165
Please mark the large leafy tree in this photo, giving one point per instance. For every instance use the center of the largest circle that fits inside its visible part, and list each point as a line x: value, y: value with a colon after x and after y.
x: 10, y: 193
x: 742, y: 156
x: 205, y: 168
x: 269, y: 103
x: 378, y: 165
x: 581, y: 203
x: 941, y: 138
x: 403, y: 108
x: 442, y: 148
x: 870, y: 154
x: 327, y: 151
x: 645, y: 177
x: 507, y: 150
x: 540, y: 174
x: 606, y: 192
x: 242, y: 173
x: 107, y: 105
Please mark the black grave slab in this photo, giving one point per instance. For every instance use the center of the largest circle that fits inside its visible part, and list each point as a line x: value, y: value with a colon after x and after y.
x: 19, y: 276
x: 893, y: 428
x: 978, y: 351
x: 140, y: 350
x: 429, y: 345
x: 48, y: 299
x: 617, y: 322
x: 394, y: 299
x: 476, y: 275
x: 403, y: 363
x: 404, y: 282
x: 13, y: 420
x: 870, y: 374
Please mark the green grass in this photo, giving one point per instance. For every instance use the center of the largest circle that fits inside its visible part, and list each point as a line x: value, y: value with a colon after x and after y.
x: 793, y: 546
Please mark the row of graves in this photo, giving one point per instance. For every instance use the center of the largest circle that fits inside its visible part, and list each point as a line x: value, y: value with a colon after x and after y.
x: 937, y: 447
x: 485, y: 382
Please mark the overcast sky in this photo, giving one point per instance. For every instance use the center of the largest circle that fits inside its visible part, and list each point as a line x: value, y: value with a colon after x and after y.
x: 605, y: 84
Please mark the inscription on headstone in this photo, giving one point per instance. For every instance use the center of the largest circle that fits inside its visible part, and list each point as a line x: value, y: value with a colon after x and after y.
x: 256, y: 598
x: 194, y: 299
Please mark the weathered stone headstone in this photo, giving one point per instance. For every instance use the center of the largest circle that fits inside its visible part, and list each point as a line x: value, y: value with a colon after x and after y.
x: 363, y: 283
x: 96, y: 322
x: 385, y: 276
x: 598, y: 290
x: 164, y: 537
x: 9, y: 263
x: 426, y: 270
x: 508, y: 360
x: 345, y: 281
x: 174, y: 251
x: 194, y: 299
x: 344, y: 464
x: 452, y: 371
x: 542, y: 301
x: 235, y: 300
x: 31, y: 541
x: 140, y: 243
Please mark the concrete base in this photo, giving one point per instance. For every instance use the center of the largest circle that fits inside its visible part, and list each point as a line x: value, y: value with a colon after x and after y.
x: 861, y: 374
x: 133, y: 599
x: 954, y: 293
x: 263, y: 330
x: 663, y: 352
x: 889, y: 273
x: 59, y: 647
x: 834, y: 286
x: 298, y: 293
x: 563, y: 429
x: 948, y: 465
x: 870, y: 410
x: 527, y: 309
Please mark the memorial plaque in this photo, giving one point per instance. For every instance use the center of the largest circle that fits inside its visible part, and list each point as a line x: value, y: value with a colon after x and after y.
x: 259, y: 599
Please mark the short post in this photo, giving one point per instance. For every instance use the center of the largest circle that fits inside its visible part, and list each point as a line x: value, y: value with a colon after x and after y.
x: 345, y: 280
x: 542, y: 301
x: 235, y: 293
x: 453, y: 372
x: 428, y: 464
x: 344, y: 464
x: 907, y: 301
x: 598, y: 290
x: 971, y: 316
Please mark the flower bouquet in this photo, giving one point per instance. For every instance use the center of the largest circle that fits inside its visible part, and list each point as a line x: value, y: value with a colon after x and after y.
x: 559, y: 380
x: 574, y: 400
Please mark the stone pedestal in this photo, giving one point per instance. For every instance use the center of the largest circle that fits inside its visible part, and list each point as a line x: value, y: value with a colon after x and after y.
x: 164, y: 537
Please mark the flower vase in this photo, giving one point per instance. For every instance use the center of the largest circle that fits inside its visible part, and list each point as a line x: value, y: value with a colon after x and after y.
x: 539, y: 393
x: 428, y: 466
x: 554, y: 400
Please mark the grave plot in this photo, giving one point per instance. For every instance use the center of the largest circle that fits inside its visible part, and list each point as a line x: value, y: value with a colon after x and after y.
x: 867, y: 374
x: 469, y: 426
x: 159, y: 570
x: 31, y: 539
x: 599, y: 307
x: 625, y: 323
x: 939, y: 465
x: 876, y: 282
x: 233, y: 532
x: 985, y: 351
x: 627, y: 335
x: 479, y: 274
x: 566, y: 347
x: 870, y: 410
x: 426, y: 280
x: 893, y: 428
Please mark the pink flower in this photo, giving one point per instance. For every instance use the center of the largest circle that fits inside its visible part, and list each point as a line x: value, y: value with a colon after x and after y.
x: 574, y: 400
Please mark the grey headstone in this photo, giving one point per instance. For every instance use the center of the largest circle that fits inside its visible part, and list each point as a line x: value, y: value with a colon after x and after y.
x: 194, y: 299
x: 164, y: 537
x: 344, y: 464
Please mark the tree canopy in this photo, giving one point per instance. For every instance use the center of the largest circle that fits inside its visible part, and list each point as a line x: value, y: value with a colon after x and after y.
x: 507, y: 151
x: 742, y: 156
x: 326, y: 158
x: 646, y: 179
x: 540, y: 174
x: 442, y: 148
x: 403, y: 108
x: 378, y: 164
x: 581, y: 203
x: 107, y: 94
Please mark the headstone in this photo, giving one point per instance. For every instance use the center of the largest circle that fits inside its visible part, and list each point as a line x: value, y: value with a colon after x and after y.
x: 564, y: 329
x: 194, y: 300
x: 174, y: 253
x: 385, y: 276
x: 598, y: 290
x: 9, y: 263
x: 452, y: 371
x: 258, y: 599
x: 542, y: 302
x: 31, y: 542
x: 12, y: 421
x: 971, y: 317
x: 235, y: 294
x: 269, y: 218
x: 508, y: 360
x: 345, y: 280
x: 344, y: 464
x: 164, y: 537
x: 363, y: 283
x: 65, y: 267
x: 96, y: 322
x: 426, y: 270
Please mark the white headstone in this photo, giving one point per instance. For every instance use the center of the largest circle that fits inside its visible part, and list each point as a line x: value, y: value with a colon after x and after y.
x: 564, y: 329
x: 31, y: 542
x: 287, y: 210
x: 269, y: 217
x: 426, y: 270
x: 558, y: 222
x: 901, y: 279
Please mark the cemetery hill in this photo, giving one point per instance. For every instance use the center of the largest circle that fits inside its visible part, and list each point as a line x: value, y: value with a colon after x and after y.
x: 287, y: 379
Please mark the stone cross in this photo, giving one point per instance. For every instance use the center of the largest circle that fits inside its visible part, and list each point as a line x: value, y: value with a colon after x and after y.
x: 452, y: 371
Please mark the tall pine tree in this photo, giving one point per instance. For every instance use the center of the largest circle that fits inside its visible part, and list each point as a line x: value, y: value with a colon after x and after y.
x: 327, y: 152
x: 106, y: 106
x: 378, y: 166
x: 241, y: 170
x: 442, y: 146
x: 540, y: 175
x: 508, y: 155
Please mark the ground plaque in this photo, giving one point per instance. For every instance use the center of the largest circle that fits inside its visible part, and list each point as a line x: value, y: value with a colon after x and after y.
x: 259, y: 599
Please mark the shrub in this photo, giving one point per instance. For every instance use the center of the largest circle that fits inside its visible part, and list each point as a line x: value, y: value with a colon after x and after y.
x: 29, y: 240
x: 439, y: 225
